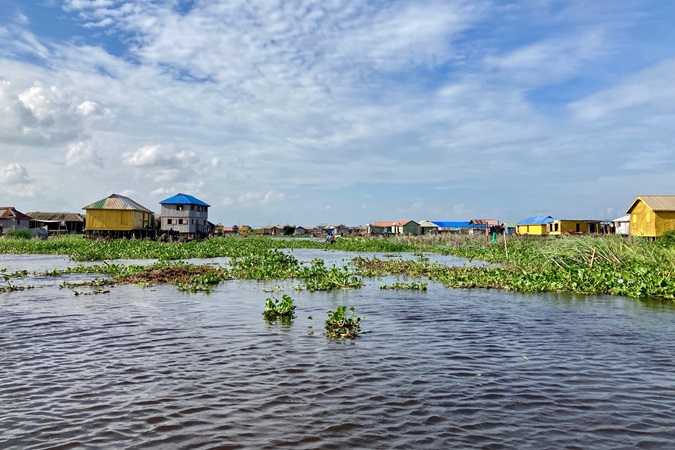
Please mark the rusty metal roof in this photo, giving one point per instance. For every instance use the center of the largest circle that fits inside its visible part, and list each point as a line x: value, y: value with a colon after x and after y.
x: 9, y: 211
x: 56, y: 216
x: 655, y: 202
x: 116, y: 201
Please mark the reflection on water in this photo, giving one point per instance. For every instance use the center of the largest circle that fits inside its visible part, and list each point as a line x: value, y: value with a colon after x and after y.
x: 155, y: 368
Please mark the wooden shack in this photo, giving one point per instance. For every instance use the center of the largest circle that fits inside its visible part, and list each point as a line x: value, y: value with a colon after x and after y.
x: 117, y: 216
x: 652, y: 215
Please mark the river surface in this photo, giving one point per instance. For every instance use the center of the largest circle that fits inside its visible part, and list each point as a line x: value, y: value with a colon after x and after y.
x: 155, y: 368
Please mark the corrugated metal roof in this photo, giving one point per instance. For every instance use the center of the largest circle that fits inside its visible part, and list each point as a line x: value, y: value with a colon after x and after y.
x: 183, y: 199
x: 116, y: 201
x: 56, y: 216
x: 454, y: 224
x: 625, y: 218
x: 383, y: 224
x: 536, y: 220
x: 427, y: 224
x: 656, y: 202
x: 9, y: 211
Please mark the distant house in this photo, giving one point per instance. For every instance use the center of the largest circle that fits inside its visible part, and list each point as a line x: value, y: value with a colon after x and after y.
x: 509, y: 227
x: 535, y: 225
x: 567, y: 226
x: 359, y: 230
x: 13, y: 220
x: 622, y: 225
x: 380, y: 228
x: 652, y: 215
x: 301, y: 231
x: 185, y: 214
x: 118, y: 216
x: 454, y: 227
x: 244, y: 230
x: 58, y: 222
x: 428, y: 228
x: 406, y: 227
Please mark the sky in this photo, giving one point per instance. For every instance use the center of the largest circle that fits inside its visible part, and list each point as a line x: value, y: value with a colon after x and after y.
x: 339, y: 111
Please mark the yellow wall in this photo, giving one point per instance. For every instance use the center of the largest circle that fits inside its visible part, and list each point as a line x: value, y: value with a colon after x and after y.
x: 532, y: 229
x: 570, y: 226
x: 664, y: 221
x: 110, y: 219
x: 642, y: 220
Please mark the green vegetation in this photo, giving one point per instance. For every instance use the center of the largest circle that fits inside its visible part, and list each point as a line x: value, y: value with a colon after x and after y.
x: 576, y: 264
x: 18, y: 234
x: 340, y: 325
x: 81, y: 249
x: 412, y: 286
x: 281, y: 310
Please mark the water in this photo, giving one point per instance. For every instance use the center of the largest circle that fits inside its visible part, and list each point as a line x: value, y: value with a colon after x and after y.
x: 156, y: 368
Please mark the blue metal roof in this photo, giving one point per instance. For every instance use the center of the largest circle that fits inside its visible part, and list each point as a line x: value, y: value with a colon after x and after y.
x: 183, y: 199
x: 536, y: 220
x: 458, y: 225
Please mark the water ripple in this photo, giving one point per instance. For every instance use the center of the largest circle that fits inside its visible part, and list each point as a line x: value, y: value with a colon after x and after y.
x: 139, y: 368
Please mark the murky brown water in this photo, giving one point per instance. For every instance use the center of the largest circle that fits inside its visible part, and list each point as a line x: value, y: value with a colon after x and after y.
x: 155, y: 368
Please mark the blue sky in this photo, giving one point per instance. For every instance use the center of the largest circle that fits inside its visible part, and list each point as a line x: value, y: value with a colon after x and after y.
x: 339, y: 111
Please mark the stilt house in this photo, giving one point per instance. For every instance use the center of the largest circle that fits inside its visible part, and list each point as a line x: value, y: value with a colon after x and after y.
x: 118, y: 216
x: 652, y: 215
x: 185, y: 214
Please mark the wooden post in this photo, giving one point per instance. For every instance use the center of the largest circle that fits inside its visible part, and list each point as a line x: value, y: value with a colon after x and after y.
x: 506, y: 248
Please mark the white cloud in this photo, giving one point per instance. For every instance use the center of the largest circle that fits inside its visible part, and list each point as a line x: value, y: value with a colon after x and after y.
x: 81, y: 154
x: 13, y: 174
x: 650, y: 91
x: 261, y: 198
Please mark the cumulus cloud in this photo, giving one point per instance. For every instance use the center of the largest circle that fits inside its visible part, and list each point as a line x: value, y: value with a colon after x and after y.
x: 15, y: 181
x: 81, y: 154
x: 158, y: 156
x: 38, y: 114
x: 13, y: 174
x: 261, y: 198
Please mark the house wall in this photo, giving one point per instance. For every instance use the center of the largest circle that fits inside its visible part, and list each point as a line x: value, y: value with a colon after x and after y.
x: 665, y: 221
x: 539, y: 230
x: 622, y: 228
x: 185, y: 218
x: 410, y: 228
x: 13, y: 224
x: 642, y: 220
x: 569, y: 226
x: 110, y: 219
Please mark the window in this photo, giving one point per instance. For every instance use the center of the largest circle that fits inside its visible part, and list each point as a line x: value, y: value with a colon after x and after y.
x: 180, y: 221
x: 168, y: 221
x: 192, y: 207
x: 648, y: 217
x: 193, y: 221
x: 179, y: 208
x: 633, y: 218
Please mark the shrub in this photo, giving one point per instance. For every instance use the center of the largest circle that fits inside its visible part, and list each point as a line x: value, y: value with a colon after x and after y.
x: 19, y: 234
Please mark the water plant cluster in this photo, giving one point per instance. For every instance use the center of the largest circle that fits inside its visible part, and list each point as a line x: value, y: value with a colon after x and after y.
x: 279, y: 309
x: 343, y: 325
x: 576, y: 264
x: 400, y: 285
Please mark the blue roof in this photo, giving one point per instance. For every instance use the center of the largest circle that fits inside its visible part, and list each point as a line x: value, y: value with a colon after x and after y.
x: 536, y: 220
x: 456, y: 225
x: 183, y: 199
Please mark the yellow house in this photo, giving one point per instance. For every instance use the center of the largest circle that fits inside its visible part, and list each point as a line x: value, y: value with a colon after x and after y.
x: 117, y: 213
x: 652, y: 215
x: 535, y: 225
x: 566, y: 226
x: 244, y: 230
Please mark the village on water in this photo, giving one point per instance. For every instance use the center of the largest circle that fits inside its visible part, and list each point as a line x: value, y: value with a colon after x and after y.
x: 184, y: 216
